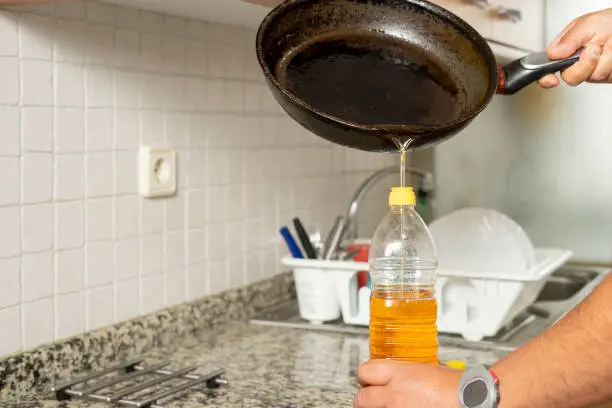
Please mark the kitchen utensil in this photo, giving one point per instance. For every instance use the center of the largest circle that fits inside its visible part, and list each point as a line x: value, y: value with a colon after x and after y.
x: 304, y: 239
x: 371, y: 73
x: 316, y: 293
x: 335, y: 238
x: 291, y: 244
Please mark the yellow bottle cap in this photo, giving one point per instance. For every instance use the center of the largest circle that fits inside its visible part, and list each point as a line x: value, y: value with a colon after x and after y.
x: 456, y: 364
x: 402, y: 196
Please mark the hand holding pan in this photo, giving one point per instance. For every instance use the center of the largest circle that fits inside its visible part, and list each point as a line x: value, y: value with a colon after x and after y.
x: 367, y: 73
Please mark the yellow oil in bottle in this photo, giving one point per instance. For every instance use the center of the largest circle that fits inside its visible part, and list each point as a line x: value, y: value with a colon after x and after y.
x: 403, y: 325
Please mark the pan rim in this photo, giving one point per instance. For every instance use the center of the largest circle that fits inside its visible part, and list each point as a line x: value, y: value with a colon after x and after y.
x: 468, y: 31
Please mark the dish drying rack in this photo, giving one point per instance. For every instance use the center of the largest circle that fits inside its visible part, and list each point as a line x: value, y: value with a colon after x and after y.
x: 131, y: 371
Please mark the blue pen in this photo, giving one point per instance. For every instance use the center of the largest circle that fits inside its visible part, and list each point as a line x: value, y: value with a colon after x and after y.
x: 293, y: 246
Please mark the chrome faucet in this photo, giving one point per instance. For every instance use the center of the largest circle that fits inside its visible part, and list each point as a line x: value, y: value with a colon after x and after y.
x: 426, y: 186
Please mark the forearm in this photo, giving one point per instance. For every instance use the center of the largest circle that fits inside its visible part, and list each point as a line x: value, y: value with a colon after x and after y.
x: 569, y: 366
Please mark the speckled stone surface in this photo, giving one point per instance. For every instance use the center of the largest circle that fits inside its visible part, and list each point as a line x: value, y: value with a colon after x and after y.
x: 267, y: 367
x: 37, y: 369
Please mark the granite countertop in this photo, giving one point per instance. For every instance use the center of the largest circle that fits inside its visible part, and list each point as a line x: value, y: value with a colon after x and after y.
x: 266, y: 367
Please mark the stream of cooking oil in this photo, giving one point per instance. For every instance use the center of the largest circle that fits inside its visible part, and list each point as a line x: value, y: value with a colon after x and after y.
x: 402, y: 146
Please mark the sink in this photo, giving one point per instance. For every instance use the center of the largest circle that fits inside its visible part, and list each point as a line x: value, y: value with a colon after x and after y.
x: 564, y: 284
x: 563, y: 290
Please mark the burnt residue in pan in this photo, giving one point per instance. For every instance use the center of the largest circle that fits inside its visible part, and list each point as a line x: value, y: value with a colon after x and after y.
x: 370, y: 78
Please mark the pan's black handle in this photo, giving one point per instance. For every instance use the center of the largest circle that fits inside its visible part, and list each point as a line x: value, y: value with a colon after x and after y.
x: 520, y: 73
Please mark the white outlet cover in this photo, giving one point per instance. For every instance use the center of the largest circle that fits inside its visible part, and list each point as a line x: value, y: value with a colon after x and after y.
x: 156, y: 172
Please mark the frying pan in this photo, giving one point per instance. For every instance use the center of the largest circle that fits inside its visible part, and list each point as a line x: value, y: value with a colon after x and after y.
x: 368, y: 74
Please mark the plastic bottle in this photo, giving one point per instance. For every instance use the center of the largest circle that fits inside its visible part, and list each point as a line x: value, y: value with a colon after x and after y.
x: 403, y: 261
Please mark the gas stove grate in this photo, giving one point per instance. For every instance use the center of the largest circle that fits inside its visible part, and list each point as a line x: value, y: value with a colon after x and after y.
x: 131, y: 372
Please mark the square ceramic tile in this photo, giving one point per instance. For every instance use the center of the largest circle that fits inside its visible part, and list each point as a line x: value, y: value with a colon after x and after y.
x: 151, y: 51
x: 127, y: 89
x: 37, y: 177
x: 36, y: 36
x: 236, y: 271
x: 99, y: 87
x: 196, y: 208
x: 9, y: 80
x: 99, y: 43
x: 151, y: 22
x: 75, y: 9
x: 69, y: 176
x: 175, y: 250
x: 127, y: 304
x: 9, y: 41
x: 99, y: 225
x: 10, y: 170
x: 151, y: 293
x: 69, y: 41
x: 69, y: 224
x: 254, y: 269
x: 37, y: 226
x: 127, y: 43
x: 151, y: 128
x: 152, y: 216
x: 127, y: 258
x: 98, y: 263
x: 10, y: 321
x: 37, y: 129
x: 174, y: 53
x: 175, y: 130
x: 69, y: 85
x: 127, y: 17
x: 197, y: 281
x: 196, y: 246
x: 127, y: 217
x: 37, y: 270
x: 99, y: 129
x: 126, y: 172
x: 174, y: 287
x: 126, y: 129
x: 151, y: 92
x: 217, y: 204
x: 196, y: 168
x: 10, y: 276
x: 100, y: 306
x: 217, y: 276
x: 98, y: 12
x: 152, y: 250
x: 216, y: 241
x: 69, y: 130
x: 36, y: 83
x: 175, y: 213
x: 10, y: 140
x: 99, y: 180
x: 69, y: 315
x: 69, y: 271
x: 38, y: 323
x: 10, y: 239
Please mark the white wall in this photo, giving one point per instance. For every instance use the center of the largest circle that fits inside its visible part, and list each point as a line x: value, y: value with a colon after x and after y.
x: 543, y: 157
x: 82, y: 86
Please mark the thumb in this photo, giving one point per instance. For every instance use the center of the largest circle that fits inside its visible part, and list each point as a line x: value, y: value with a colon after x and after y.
x: 575, y: 36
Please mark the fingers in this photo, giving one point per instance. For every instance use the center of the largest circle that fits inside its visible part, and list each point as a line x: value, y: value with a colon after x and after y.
x: 377, y: 372
x: 553, y: 49
x: 585, y: 67
x: 603, y: 72
x: 371, y: 397
x: 549, y: 81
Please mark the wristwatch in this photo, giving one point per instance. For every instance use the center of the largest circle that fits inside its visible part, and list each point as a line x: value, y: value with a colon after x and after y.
x: 479, y: 388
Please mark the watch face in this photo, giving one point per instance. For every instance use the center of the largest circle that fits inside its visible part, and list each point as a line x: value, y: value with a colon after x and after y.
x: 475, y: 393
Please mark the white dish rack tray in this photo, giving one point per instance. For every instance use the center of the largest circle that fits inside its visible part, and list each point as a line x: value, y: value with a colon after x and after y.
x: 471, y: 304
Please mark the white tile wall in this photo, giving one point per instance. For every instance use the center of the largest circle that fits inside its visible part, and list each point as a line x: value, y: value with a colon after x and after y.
x: 83, y: 85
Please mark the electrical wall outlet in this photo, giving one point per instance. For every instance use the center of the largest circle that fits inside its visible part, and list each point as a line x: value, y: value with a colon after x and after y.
x: 157, y: 172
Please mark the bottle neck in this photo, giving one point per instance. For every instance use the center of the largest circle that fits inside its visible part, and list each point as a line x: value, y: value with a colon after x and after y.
x: 398, y: 208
